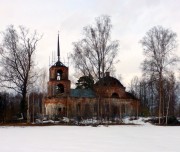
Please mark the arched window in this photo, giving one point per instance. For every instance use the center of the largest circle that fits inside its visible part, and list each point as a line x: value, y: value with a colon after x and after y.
x: 78, y: 108
x: 95, y: 108
x: 59, y: 74
x: 87, y: 111
x: 60, y: 88
x: 107, y: 108
x: 64, y: 110
x: 59, y: 110
x: 123, y: 109
x: 115, y: 111
x: 115, y: 95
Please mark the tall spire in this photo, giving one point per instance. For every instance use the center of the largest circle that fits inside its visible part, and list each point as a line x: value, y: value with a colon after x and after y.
x: 58, y: 49
x: 58, y: 63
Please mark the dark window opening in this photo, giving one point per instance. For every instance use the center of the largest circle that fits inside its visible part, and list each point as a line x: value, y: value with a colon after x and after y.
x: 115, y: 95
x: 60, y: 88
x: 87, y: 111
x: 64, y: 110
x: 95, y: 108
x: 59, y: 109
x: 115, y: 111
x: 78, y: 108
x: 107, y: 107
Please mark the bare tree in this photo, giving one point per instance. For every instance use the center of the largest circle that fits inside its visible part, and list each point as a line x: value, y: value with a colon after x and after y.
x: 159, y: 45
x: 95, y: 53
x: 42, y: 81
x: 17, y: 60
x: 42, y: 86
x: 134, y: 86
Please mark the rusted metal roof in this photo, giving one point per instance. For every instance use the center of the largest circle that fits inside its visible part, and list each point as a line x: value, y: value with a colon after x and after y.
x: 88, y: 93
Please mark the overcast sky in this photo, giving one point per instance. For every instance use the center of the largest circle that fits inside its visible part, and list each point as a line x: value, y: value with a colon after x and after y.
x: 131, y: 19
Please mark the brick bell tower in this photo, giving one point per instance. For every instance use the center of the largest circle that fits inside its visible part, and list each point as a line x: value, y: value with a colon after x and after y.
x: 58, y: 84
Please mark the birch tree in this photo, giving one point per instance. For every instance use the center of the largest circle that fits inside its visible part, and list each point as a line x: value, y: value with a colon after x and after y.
x: 159, y: 45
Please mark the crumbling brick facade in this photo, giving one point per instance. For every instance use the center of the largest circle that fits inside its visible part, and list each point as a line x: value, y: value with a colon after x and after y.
x: 108, y: 98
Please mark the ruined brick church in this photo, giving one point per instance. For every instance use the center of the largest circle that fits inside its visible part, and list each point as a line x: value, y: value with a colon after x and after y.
x: 108, y: 97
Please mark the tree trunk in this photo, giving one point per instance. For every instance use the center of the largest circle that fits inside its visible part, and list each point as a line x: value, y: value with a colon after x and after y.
x: 160, y: 97
x: 167, y: 112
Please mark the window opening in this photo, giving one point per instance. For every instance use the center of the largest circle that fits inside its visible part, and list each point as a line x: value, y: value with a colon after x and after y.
x: 59, y: 74
x: 115, y: 95
x: 60, y: 88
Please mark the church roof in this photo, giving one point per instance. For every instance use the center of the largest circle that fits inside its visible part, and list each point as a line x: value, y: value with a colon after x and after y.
x: 109, y: 81
x: 59, y: 63
x: 131, y: 96
x: 88, y: 93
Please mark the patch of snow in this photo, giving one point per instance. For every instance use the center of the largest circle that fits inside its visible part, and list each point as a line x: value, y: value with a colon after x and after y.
x: 139, y: 121
x: 90, y: 139
x: 65, y: 119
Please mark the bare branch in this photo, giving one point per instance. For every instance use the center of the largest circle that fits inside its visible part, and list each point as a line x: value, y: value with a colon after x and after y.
x: 17, y: 61
x: 96, y: 53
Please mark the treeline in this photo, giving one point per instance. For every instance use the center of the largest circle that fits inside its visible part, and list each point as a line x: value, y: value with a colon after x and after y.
x: 158, y: 88
x: 10, y: 105
x: 146, y: 90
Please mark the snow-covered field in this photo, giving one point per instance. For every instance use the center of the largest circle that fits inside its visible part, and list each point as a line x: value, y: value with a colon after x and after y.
x: 140, y: 138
